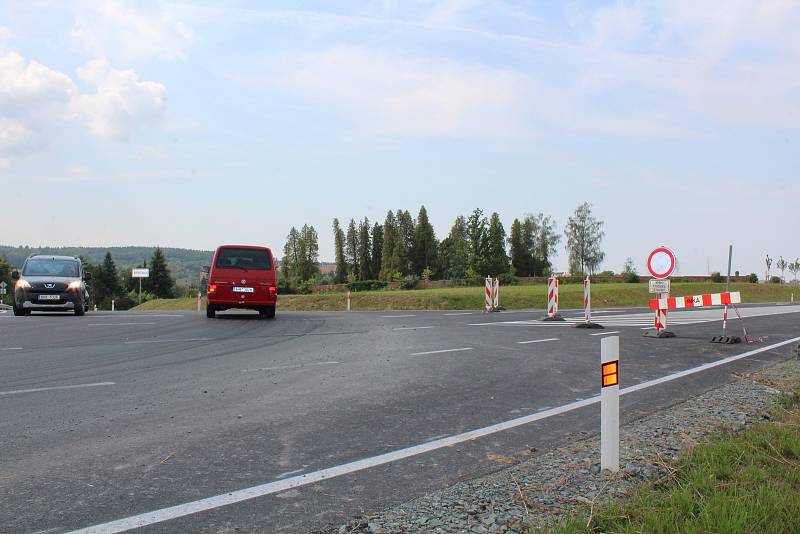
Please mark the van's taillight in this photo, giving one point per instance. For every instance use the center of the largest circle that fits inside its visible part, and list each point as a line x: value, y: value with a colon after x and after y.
x: 273, y: 291
x: 212, y: 288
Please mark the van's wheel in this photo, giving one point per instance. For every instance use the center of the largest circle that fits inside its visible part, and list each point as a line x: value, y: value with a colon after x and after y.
x: 19, y: 311
x: 267, y: 313
x: 211, y: 311
x: 80, y: 311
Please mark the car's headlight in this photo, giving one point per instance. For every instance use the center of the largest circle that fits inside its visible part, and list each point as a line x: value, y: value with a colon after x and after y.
x: 74, y: 285
x: 23, y: 284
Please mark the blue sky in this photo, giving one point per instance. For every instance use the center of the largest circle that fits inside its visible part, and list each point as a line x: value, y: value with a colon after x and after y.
x: 195, y: 124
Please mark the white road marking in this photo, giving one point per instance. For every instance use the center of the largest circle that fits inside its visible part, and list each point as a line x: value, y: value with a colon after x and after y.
x: 289, y: 473
x: 459, y: 313
x: 119, y: 324
x: 605, y: 333
x: 116, y: 315
x: 537, y: 340
x: 167, y: 340
x: 297, y: 366
x: 440, y: 351
x: 396, y: 316
x: 218, y: 501
x: 53, y: 388
x: 12, y: 348
x: 413, y: 328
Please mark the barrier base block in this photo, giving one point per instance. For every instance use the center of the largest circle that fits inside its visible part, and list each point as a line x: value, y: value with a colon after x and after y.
x: 555, y: 317
x: 726, y: 340
x: 659, y: 333
x: 587, y: 325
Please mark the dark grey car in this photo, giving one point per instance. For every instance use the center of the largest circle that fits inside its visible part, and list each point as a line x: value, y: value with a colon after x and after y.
x: 51, y: 283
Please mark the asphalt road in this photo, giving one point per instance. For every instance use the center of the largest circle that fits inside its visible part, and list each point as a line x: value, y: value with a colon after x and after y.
x: 189, y: 424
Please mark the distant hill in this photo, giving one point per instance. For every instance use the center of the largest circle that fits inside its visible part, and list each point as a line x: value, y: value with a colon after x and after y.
x: 185, y: 264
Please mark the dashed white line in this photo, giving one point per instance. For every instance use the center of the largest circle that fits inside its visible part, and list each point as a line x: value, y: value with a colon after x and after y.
x: 414, y: 328
x: 190, y: 340
x: 289, y: 473
x: 281, y: 367
x: 440, y: 351
x: 605, y: 333
x: 11, y: 348
x: 537, y: 341
x: 53, y: 388
x: 396, y: 316
x: 120, y: 324
x: 218, y: 501
x: 455, y: 314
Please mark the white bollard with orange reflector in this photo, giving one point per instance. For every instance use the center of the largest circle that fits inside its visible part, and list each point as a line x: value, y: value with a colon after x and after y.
x: 349, y: 302
x: 112, y: 304
x: 199, y: 300
x: 609, y: 403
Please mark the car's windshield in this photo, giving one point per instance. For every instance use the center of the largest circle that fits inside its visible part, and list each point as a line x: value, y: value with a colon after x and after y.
x: 51, y: 267
x: 244, y: 258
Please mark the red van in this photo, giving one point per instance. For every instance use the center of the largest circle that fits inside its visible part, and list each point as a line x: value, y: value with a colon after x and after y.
x: 242, y: 276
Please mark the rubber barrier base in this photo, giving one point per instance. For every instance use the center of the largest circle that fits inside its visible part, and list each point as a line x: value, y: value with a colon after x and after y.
x: 555, y: 317
x: 726, y: 340
x: 588, y: 325
x: 659, y: 333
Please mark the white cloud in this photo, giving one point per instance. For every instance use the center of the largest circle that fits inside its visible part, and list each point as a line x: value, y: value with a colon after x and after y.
x: 393, y: 95
x: 37, y: 102
x: 34, y: 102
x: 122, y: 102
x: 117, y: 29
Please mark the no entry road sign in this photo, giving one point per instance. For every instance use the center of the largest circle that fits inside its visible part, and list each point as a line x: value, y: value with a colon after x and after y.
x: 661, y: 263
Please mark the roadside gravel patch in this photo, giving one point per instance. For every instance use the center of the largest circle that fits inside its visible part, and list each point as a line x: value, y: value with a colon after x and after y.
x: 553, y: 485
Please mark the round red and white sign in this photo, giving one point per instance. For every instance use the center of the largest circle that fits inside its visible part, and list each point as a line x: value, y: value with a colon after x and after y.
x: 661, y: 263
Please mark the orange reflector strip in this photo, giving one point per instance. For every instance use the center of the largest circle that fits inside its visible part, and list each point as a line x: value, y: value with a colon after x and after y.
x: 610, y: 373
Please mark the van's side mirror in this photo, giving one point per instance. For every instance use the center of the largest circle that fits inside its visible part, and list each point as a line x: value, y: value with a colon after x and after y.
x: 15, y: 274
x: 206, y: 269
x: 87, y: 275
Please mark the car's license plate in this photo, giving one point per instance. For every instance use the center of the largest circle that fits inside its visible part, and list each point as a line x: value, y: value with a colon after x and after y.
x: 49, y: 297
x: 243, y: 290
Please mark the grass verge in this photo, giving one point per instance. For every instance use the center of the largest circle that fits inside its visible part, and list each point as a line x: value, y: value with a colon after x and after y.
x: 511, y: 297
x: 738, y: 483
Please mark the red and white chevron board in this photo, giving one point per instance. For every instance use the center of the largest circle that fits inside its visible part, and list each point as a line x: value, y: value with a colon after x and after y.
x: 696, y: 301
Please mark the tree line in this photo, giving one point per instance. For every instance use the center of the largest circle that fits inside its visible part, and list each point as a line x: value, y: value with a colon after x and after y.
x: 404, y: 247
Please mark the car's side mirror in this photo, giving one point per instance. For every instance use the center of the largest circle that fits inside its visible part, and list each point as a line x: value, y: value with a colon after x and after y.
x: 206, y: 269
x: 15, y: 274
x: 87, y: 276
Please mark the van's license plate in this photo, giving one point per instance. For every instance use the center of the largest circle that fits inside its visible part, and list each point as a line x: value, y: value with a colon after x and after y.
x: 49, y: 297
x: 243, y: 290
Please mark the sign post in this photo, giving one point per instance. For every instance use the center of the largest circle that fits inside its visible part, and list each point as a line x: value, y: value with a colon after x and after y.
x: 3, y: 287
x: 609, y: 403
x: 661, y: 264
x: 140, y: 273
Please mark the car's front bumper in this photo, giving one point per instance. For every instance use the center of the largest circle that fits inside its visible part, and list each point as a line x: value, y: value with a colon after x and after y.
x: 67, y: 301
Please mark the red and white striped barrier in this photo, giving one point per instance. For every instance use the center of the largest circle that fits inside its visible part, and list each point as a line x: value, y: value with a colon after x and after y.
x: 552, y: 296
x: 587, y: 300
x: 492, y: 294
x: 696, y: 301
x: 587, y: 307
x: 660, y: 320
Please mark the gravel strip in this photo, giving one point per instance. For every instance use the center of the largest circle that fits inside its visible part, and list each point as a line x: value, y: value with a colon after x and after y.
x: 556, y: 484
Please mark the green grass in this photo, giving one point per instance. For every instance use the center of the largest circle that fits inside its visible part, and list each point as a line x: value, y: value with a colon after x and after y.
x: 511, y: 297
x: 739, y: 483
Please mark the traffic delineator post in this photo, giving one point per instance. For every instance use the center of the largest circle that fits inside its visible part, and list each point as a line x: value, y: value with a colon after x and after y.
x: 609, y: 403
x: 349, y: 301
x: 552, y: 300
x: 112, y: 304
x: 491, y: 295
x: 587, y: 307
x: 199, y: 300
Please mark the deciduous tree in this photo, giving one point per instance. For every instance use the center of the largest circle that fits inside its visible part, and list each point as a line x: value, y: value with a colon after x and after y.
x: 584, y: 233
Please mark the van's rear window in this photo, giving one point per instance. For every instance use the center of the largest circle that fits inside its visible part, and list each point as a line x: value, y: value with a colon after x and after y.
x: 251, y: 259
